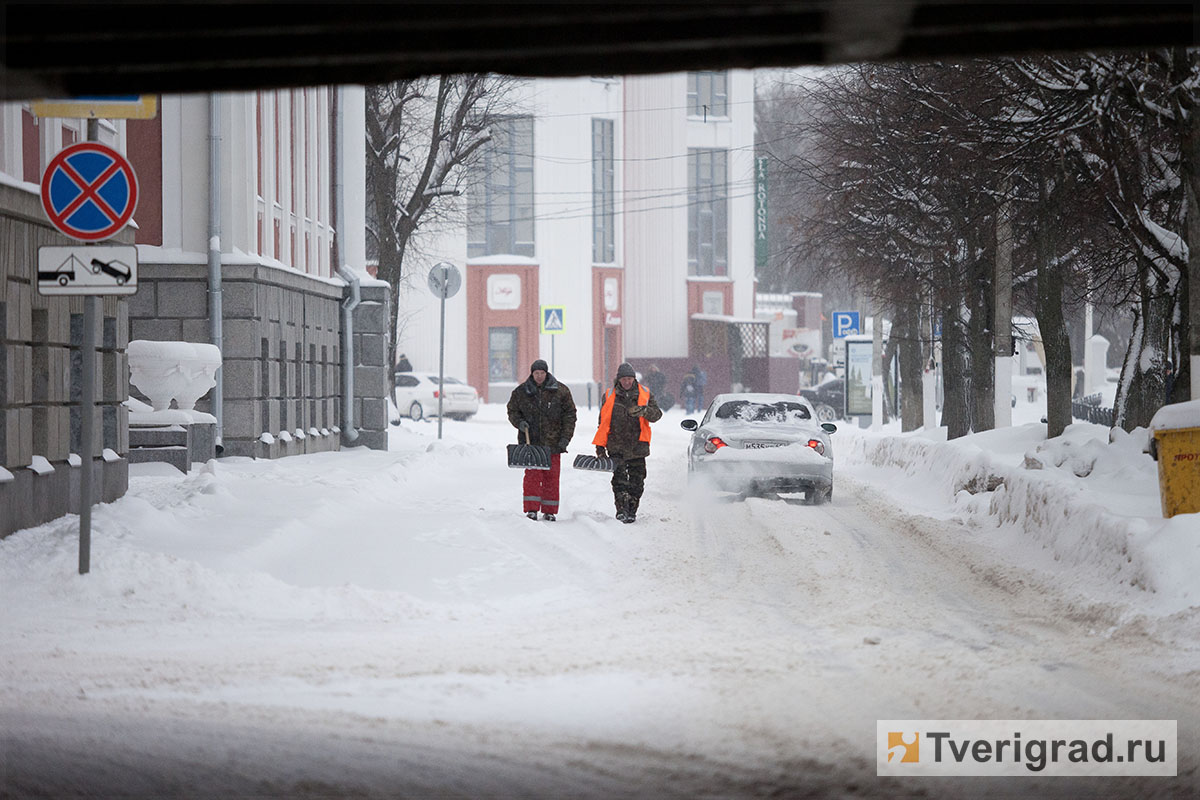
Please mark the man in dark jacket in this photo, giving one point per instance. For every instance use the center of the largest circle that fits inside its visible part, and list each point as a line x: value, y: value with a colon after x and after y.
x: 542, y: 411
x: 624, y: 434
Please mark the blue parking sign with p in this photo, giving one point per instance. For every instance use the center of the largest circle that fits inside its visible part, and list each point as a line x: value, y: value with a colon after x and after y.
x: 845, y: 323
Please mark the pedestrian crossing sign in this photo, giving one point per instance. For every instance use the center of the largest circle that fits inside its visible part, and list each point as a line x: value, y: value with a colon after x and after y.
x: 552, y: 319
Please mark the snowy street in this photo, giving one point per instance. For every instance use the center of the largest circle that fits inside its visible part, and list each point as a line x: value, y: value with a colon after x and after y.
x: 379, y: 624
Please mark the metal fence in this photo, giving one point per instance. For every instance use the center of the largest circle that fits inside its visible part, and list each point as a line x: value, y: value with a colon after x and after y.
x: 1088, y: 409
x: 745, y: 343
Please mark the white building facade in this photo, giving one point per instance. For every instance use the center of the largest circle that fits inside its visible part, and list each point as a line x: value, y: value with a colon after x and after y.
x: 283, y: 380
x: 620, y: 207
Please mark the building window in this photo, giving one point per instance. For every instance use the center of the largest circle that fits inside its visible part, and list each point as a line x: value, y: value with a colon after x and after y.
x: 603, y: 193
x: 31, y: 153
x: 258, y: 149
x: 707, y: 94
x: 502, y: 355
x: 708, y: 215
x: 500, y: 199
x: 294, y: 144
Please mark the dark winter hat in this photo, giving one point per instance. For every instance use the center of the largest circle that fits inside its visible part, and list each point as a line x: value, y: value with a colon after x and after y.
x: 626, y: 370
x: 539, y: 364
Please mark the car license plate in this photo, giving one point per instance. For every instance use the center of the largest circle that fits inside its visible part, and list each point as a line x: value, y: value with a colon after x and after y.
x: 763, y: 445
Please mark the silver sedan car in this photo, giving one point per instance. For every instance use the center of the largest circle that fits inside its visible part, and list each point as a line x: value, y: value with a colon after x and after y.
x: 757, y: 443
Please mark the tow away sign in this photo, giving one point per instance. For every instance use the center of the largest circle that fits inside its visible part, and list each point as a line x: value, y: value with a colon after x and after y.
x: 87, y: 269
x: 89, y: 191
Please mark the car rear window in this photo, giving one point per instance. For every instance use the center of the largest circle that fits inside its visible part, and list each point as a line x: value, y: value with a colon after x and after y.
x: 748, y: 411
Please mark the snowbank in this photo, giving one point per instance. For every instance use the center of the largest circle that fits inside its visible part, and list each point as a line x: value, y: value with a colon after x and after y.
x: 1080, y: 507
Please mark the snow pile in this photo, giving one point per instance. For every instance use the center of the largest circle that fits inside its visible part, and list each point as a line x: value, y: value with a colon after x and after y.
x: 1080, y: 507
x: 140, y: 566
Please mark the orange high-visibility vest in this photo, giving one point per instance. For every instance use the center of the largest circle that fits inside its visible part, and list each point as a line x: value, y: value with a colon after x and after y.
x: 606, y: 416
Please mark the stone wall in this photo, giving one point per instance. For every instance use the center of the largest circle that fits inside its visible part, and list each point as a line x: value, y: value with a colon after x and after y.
x: 40, y: 370
x: 281, y: 353
x: 372, y: 378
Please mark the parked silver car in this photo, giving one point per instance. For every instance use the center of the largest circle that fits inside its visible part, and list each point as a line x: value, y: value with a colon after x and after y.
x: 758, y: 443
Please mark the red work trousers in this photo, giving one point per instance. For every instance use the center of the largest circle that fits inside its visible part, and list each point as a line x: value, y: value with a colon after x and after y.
x: 541, y: 488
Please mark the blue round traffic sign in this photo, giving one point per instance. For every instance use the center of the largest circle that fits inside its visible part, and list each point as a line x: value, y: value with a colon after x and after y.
x: 89, y: 191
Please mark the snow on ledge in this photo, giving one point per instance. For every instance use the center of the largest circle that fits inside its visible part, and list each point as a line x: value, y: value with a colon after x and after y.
x: 5, y: 475
x: 267, y: 438
x: 502, y: 261
x: 170, y: 416
x: 110, y: 455
x: 41, y: 465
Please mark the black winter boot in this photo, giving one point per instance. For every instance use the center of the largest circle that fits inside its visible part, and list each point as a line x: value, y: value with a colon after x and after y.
x: 631, y: 510
x: 622, y: 502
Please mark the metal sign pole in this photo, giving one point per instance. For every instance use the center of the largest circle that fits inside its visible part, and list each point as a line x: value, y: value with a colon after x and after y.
x: 87, y: 385
x: 87, y: 389
x: 444, y: 280
x: 442, y: 366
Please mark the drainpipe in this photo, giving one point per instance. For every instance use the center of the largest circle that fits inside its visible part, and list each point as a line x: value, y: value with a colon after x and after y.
x: 215, y: 314
x: 348, y: 275
x: 348, y: 306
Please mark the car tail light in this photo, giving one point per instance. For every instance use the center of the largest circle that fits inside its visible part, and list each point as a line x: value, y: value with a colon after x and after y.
x: 817, y: 445
x: 435, y: 394
x: 713, y: 444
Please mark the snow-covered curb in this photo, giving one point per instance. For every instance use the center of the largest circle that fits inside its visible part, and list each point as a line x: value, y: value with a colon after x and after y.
x: 1088, y: 505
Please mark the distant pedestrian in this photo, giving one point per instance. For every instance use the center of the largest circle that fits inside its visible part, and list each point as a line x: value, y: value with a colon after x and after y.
x: 624, y: 434
x: 404, y: 365
x: 701, y: 383
x: 687, y: 390
x: 542, y: 411
x: 655, y: 381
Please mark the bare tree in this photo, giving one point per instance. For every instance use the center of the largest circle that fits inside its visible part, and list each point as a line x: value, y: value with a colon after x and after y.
x: 1092, y: 155
x: 423, y: 135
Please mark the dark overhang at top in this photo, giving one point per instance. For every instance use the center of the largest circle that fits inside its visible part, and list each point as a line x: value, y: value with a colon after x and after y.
x: 68, y: 49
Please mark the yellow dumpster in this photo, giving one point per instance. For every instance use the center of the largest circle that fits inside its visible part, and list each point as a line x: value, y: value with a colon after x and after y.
x: 1176, y: 431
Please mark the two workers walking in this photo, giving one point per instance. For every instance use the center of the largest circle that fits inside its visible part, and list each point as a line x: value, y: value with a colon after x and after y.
x: 542, y: 411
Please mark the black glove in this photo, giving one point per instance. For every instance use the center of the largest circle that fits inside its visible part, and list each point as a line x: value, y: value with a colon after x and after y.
x: 562, y: 445
x: 523, y: 427
x: 601, y: 452
x: 637, y: 411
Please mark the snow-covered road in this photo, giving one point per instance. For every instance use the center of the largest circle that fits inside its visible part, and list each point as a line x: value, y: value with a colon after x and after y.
x: 389, y: 624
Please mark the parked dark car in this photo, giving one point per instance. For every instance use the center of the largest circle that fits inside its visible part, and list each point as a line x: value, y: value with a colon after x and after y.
x: 828, y: 399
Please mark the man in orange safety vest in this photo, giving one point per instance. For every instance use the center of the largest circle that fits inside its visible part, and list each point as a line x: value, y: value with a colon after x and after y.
x: 624, y: 434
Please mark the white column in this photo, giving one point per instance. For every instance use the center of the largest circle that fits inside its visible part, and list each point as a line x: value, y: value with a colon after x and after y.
x: 1003, y: 393
x: 929, y: 397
